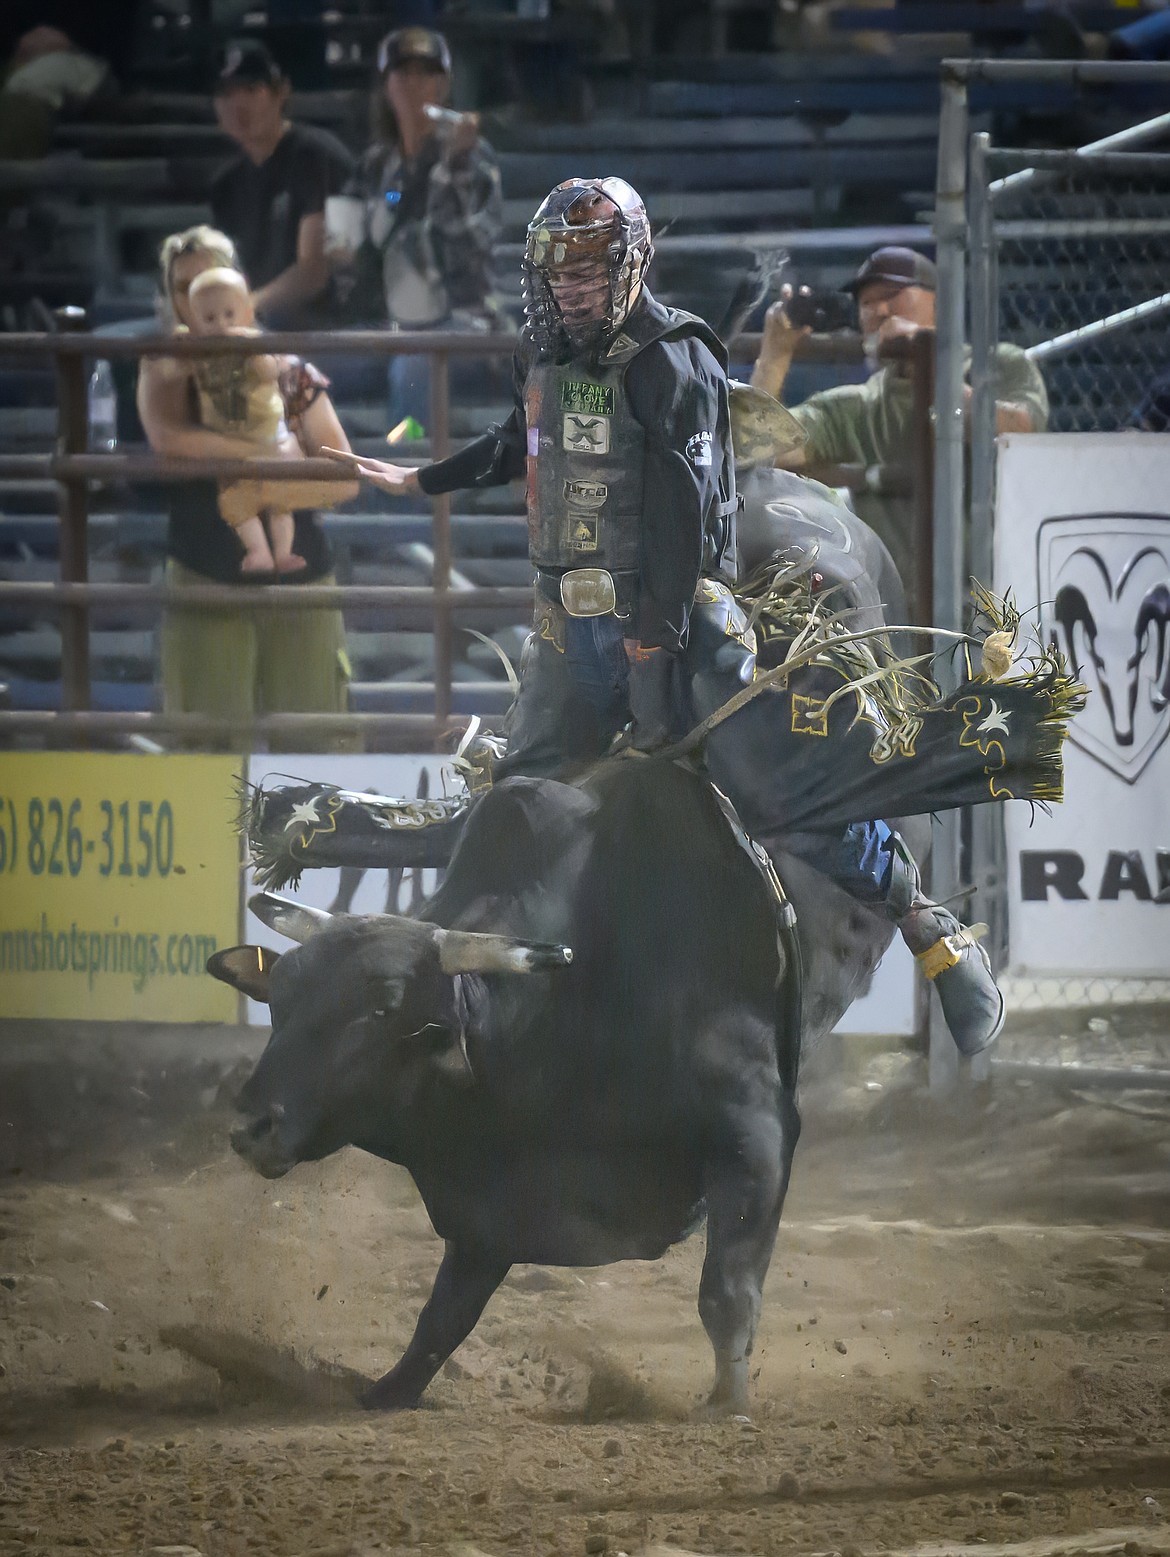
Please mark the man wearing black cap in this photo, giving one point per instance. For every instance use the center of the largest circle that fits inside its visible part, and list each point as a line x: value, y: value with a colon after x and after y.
x: 870, y: 423
x: 270, y: 200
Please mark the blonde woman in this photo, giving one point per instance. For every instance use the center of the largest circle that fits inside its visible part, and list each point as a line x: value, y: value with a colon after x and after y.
x: 226, y: 661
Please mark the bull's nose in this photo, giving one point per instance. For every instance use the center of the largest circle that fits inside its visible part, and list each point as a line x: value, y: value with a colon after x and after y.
x: 260, y: 1146
x: 257, y: 1133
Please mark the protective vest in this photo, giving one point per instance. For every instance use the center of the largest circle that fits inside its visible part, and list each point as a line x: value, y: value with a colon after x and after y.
x: 586, y: 456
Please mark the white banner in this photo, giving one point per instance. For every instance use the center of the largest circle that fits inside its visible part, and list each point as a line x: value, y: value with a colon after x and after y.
x: 1082, y: 535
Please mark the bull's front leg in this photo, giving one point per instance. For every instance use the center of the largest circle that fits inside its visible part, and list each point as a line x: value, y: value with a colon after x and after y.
x: 465, y: 1281
x: 746, y: 1181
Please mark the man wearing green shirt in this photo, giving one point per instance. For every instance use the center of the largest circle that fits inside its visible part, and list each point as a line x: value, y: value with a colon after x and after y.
x: 869, y: 423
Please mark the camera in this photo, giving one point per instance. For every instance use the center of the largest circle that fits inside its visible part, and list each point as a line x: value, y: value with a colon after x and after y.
x: 823, y: 311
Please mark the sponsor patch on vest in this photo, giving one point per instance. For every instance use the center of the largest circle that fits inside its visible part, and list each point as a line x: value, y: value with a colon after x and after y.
x: 593, y: 399
x: 586, y: 494
x: 582, y: 532
x: 699, y: 448
x: 586, y: 434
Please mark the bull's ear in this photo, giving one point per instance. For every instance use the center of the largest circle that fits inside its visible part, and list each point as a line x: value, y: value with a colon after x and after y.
x: 246, y: 968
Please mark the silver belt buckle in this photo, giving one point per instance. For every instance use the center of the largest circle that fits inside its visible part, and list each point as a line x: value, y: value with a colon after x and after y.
x: 588, y: 592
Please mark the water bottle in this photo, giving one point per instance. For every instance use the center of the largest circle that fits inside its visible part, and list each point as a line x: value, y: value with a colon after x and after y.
x: 103, y: 410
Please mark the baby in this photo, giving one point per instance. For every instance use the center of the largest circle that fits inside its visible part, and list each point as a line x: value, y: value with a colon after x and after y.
x: 239, y: 396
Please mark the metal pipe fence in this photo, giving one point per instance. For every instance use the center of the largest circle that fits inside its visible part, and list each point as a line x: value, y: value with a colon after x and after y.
x: 1061, y: 253
x: 72, y: 467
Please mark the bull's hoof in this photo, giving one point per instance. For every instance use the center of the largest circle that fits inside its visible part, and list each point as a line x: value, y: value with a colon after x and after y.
x: 729, y: 1393
x: 384, y: 1397
x: 722, y: 1410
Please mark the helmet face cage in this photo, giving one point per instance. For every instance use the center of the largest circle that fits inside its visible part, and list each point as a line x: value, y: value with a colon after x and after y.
x: 587, y: 252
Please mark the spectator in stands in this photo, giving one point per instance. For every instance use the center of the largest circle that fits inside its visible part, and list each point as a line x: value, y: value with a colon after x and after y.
x: 46, y: 74
x: 870, y: 423
x: 107, y: 30
x: 241, y: 396
x: 431, y: 188
x: 270, y: 200
x: 235, y: 662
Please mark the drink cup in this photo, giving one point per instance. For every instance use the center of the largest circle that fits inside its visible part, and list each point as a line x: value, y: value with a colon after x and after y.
x: 345, y: 223
x: 442, y: 117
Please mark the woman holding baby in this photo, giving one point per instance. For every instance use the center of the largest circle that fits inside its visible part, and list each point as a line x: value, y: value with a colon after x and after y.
x: 226, y: 661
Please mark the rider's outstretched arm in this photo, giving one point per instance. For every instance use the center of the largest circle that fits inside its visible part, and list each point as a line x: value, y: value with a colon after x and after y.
x: 491, y: 459
x: 487, y: 461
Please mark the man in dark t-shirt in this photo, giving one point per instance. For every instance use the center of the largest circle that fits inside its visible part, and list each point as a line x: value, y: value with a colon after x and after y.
x: 270, y: 200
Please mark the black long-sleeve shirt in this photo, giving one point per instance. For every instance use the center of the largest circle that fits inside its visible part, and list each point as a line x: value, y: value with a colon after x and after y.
x: 677, y: 391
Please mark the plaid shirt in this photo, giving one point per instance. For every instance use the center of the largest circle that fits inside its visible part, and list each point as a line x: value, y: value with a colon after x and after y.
x: 448, y: 216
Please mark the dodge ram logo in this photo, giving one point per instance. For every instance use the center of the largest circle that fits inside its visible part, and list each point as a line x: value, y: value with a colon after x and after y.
x: 1105, y: 586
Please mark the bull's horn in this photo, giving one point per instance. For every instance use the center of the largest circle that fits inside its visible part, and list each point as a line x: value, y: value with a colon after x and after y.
x: 468, y: 951
x: 296, y: 920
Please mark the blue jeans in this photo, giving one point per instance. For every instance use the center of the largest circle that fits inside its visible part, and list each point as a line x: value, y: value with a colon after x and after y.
x: 864, y: 861
x: 596, y: 657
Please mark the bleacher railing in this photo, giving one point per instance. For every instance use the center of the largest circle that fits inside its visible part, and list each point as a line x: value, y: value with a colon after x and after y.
x: 73, y: 468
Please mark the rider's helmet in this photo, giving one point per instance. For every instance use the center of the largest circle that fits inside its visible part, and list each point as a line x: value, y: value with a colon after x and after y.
x: 587, y: 253
x: 762, y: 431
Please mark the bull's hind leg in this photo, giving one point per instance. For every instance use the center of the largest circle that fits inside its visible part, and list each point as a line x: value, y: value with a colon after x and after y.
x: 746, y: 1181
x: 465, y: 1282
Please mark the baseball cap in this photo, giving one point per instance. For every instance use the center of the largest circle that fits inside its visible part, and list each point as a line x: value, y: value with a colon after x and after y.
x: 904, y: 266
x: 244, y: 62
x: 405, y: 44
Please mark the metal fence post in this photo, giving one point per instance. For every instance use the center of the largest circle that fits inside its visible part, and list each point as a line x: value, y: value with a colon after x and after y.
x: 950, y: 228
x: 922, y: 466
x: 987, y: 835
x: 984, y: 331
x: 72, y: 510
x: 441, y: 512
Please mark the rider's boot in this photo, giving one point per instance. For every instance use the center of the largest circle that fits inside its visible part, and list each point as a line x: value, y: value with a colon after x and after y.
x: 950, y: 956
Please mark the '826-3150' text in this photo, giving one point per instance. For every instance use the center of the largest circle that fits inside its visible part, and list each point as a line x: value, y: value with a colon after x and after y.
x: 54, y: 837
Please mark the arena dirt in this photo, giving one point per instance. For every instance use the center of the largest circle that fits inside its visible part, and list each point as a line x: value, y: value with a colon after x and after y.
x: 965, y: 1344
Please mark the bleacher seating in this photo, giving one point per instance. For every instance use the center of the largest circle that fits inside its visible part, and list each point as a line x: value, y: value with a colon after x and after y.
x: 739, y: 156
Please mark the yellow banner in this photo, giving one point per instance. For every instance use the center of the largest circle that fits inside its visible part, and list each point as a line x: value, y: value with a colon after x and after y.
x: 119, y: 876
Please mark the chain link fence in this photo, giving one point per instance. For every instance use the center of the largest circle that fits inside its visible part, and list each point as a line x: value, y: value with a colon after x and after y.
x: 1082, y: 280
x: 1065, y: 254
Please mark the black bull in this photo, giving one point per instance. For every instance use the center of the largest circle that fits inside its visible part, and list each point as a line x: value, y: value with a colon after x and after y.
x: 570, y: 1112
